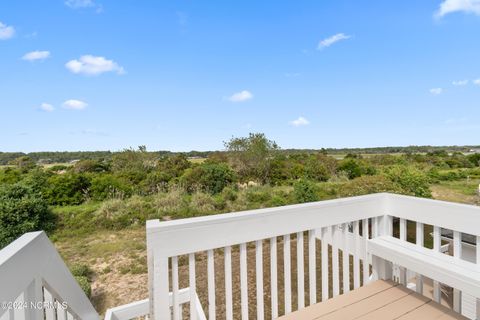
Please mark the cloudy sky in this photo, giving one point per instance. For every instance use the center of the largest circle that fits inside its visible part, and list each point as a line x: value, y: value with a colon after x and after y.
x: 183, y: 75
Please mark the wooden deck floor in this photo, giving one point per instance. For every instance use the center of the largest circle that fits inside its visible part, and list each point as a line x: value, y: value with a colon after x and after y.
x: 380, y: 300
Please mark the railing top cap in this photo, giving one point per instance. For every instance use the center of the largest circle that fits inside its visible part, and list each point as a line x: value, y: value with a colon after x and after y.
x: 14, y: 247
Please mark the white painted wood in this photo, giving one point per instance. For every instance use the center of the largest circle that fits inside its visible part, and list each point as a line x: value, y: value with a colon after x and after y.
x: 243, y: 281
x: 175, y: 288
x: 478, y: 265
x: 273, y: 277
x: 366, y: 266
x: 312, y: 266
x: 259, y: 278
x: 375, y: 227
x: 335, y: 266
x: 222, y: 230
x: 287, y: 274
x: 33, y: 257
x: 300, y: 272
x: 457, y: 253
x: 356, y: 256
x: 437, y: 294
x: 192, y: 285
x: 211, y: 284
x: 345, y: 258
x: 228, y: 283
x: 325, y: 272
x: 457, y: 273
x: 403, y: 237
x: 419, y: 240
x: 49, y: 303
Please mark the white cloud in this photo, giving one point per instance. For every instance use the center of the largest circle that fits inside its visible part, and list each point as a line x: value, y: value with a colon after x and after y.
x: 476, y: 82
x: 46, y: 107
x: 36, y: 55
x: 82, y: 4
x: 241, y: 96
x: 460, y: 83
x: 73, y: 104
x: 466, y: 6
x: 436, y: 91
x: 6, y: 32
x: 91, y: 65
x: 331, y: 40
x: 301, y: 121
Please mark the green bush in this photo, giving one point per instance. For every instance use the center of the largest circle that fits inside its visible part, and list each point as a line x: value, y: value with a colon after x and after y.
x: 208, y: 177
x: 410, y: 179
x: 305, y: 191
x: 67, y: 189
x: 104, y: 186
x: 366, y: 185
x: 118, y: 214
x: 81, y: 270
x: 202, y: 202
x: 85, y: 285
x: 22, y: 210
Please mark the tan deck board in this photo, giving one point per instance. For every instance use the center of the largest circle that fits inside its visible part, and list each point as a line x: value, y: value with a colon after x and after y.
x: 380, y: 300
x: 339, y: 302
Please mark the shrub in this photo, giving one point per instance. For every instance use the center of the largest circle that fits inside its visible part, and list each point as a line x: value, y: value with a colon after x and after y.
x: 170, y: 202
x: 118, y: 214
x: 315, y: 170
x: 209, y: 177
x: 22, y: 210
x: 305, y: 191
x: 202, y: 202
x: 351, y: 167
x: 104, y: 186
x: 410, y: 179
x: 368, y: 184
x: 67, y: 189
x: 85, y: 285
x: 81, y: 270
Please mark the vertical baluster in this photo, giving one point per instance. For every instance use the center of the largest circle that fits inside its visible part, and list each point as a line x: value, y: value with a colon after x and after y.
x: 335, y: 271
x: 436, y: 246
x: 325, y: 271
x: 312, y: 267
x: 228, y: 283
x: 375, y: 227
x: 192, y: 284
x: 243, y: 281
x: 259, y: 277
x: 366, y: 266
x: 300, y: 272
x: 457, y: 253
x: 419, y: 239
x: 403, y: 237
x: 175, y: 304
x: 356, y: 259
x: 346, y: 259
x: 273, y: 276
x: 211, y: 284
x: 478, y: 265
x: 48, y: 299
x: 287, y: 274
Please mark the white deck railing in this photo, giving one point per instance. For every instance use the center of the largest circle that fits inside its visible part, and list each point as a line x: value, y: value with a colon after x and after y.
x: 36, y: 284
x: 344, y: 227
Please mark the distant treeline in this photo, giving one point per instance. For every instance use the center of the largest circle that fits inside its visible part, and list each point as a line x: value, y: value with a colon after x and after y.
x: 68, y: 156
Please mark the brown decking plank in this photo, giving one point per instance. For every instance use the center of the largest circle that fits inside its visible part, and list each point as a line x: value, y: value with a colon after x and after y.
x: 367, y: 305
x: 397, y: 309
x: 339, y: 302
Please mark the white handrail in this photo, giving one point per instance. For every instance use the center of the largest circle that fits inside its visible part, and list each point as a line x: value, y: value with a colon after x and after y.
x: 30, y: 264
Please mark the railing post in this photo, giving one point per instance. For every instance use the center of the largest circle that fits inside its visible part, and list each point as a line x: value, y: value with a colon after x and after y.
x: 161, y: 305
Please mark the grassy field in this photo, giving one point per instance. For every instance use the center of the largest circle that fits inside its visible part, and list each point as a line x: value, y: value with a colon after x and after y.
x: 118, y: 258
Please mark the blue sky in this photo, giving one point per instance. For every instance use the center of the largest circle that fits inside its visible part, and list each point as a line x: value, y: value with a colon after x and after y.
x: 183, y: 75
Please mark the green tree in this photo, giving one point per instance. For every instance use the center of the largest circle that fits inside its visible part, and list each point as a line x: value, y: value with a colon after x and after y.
x: 251, y: 157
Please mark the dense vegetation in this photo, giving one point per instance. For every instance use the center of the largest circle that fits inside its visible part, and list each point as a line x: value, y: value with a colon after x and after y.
x: 122, y: 189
